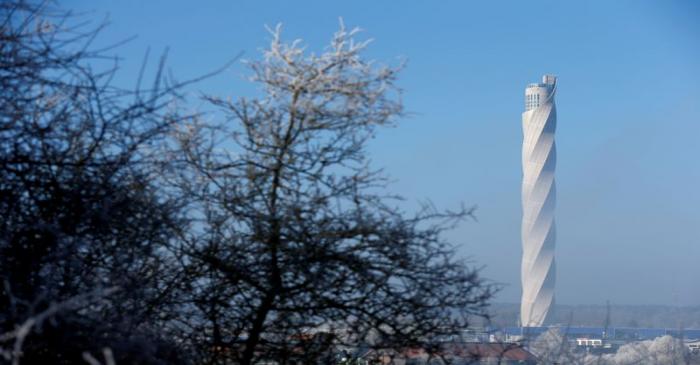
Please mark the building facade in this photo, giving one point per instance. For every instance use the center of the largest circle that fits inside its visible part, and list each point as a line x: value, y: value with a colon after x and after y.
x: 538, y: 200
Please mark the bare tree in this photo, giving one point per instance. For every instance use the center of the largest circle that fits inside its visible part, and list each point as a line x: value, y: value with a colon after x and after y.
x: 78, y: 206
x: 297, y: 247
x: 288, y: 246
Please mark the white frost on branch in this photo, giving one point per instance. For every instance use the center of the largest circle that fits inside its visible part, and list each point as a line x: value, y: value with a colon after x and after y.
x: 553, y: 347
x: 108, y: 356
x: 21, y: 331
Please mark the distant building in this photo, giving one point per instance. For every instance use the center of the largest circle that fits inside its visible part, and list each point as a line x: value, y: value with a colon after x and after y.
x: 693, y: 346
x: 612, y: 335
x: 538, y: 198
x: 592, y: 342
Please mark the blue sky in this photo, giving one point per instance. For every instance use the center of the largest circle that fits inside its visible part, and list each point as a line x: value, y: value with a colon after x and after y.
x: 628, y: 137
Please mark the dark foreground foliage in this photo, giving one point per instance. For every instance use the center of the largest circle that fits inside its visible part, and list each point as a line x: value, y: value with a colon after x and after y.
x: 79, y: 210
x: 259, y: 234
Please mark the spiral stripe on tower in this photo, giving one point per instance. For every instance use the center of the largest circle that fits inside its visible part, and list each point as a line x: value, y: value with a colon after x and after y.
x: 538, y: 199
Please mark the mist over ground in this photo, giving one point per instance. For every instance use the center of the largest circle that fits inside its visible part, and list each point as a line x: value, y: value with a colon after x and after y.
x: 638, y: 316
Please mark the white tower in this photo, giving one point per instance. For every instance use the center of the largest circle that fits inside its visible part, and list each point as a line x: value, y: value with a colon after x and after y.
x: 538, y: 194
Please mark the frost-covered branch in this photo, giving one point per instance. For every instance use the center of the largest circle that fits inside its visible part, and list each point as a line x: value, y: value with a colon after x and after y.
x: 106, y: 353
x: 299, y: 245
x: 21, y: 331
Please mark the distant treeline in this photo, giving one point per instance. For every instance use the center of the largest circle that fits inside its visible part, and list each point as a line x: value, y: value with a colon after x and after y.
x: 640, y: 316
